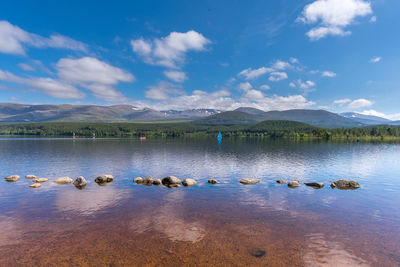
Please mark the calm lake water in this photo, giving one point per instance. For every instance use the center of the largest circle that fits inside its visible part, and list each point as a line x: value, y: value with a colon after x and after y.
x: 125, y: 224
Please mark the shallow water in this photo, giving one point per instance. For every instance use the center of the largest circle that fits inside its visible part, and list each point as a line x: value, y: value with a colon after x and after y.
x: 125, y: 224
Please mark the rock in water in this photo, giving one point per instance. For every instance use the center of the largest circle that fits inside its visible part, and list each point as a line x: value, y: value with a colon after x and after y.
x: 105, y: 178
x: 148, y: 180
x: 281, y: 181
x: 36, y: 185
x: 249, y: 181
x: 138, y: 180
x: 157, y: 182
x: 80, y: 182
x: 171, y: 181
x: 64, y: 180
x: 315, y: 185
x: 30, y: 176
x: 212, y: 181
x: 40, y: 180
x: 345, y: 184
x: 12, y: 178
x: 189, y: 182
x: 294, y: 183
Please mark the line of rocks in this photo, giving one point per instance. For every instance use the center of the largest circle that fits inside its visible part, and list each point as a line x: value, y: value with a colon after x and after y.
x: 340, y: 184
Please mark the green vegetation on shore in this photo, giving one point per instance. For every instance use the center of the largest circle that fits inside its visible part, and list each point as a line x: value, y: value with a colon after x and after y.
x: 267, y: 129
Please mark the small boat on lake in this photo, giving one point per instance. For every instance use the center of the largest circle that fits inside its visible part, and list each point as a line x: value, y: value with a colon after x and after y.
x: 142, y: 138
x: 219, y: 137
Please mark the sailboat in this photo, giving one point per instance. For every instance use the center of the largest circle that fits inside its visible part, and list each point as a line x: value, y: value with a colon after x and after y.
x: 219, y: 136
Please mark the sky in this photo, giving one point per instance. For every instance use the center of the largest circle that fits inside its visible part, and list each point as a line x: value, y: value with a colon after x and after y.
x: 337, y: 55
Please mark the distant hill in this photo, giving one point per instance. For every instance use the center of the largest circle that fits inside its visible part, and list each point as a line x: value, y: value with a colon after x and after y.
x: 10, y: 112
x: 282, y: 126
x: 366, y: 119
x: 319, y: 118
x: 248, y: 110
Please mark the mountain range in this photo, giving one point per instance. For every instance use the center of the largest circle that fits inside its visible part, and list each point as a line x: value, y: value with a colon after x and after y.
x: 17, y: 113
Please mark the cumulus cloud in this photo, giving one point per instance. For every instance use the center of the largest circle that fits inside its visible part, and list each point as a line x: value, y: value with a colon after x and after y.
x: 169, y: 51
x: 329, y: 74
x: 278, y: 65
x: 375, y: 60
x: 303, y: 85
x: 162, y: 91
x: 14, y: 40
x: 95, y: 75
x: 353, y: 104
x: 373, y: 19
x: 265, y: 87
x: 46, y: 86
x: 372, y: 112
x: 342, y: 101
x: 277, y: 76
x: 333, y: 16
x: 26, y: 67
x: 176, y: 76
x: 245, y: 86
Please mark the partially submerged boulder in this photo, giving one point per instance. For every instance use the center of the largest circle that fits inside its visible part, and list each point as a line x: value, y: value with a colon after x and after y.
x: 315, y: 185
x: 104, y: 179
x: 80, y: 182
x: 249, y: 181
x: 171, y: 181
x: 148, y: 180
x: 138, y: 180
x: 40, y: 180
x: 189, y: 182
x: 212, y: 181
x: 35, y: 185
x: 345, y: 184
x: 64, y: 180
x: 281, y: 181
x: 12, y: 178
x: 30, y: 176
x: 157, y: 182
x: 294, y: 183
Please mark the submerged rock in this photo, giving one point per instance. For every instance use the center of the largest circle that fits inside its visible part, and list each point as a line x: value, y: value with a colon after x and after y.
x: 30, y: 176
x: 281, y: 181
x: 148, y: 180
x: 36, y: 185
x: 12, y: 178
x: 40, y: 180
x: 63, y: 180
x: 258, y: 253
x: 189, y: 182
x: 138, y: 180
x: 171, y: 181
x: 157, y: 182
x: 249, y: 181
x: 345, y: 184
x: 315, y: 185
x: 80, y: 182
x: 212, y: 181
x: 294, y: 183
x: 104, y: 179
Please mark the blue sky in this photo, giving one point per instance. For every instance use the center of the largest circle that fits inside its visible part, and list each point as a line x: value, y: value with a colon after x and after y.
x: 338, y: 55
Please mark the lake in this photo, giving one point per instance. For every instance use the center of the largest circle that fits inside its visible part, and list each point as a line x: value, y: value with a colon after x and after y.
x: 126, y: 224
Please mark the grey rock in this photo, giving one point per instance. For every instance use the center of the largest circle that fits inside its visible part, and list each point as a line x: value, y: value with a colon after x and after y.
x: 64, y: 180
x: 294, y: 183
x: 249, y: 181
x: 40, y: 180
x: 12, y: 178
x: 30, y: 176
x: 281, y: 181
x: 104, y: 179
x: 345, y: 184
x: 212, y: 181
x: 80, y: 182
x: 36, y: 185
x: 148, y: 180
x: 138, y: 180
x: 189, y: 182
x: 315, y: 185
x: 171, y: 181
x: 157, y: 182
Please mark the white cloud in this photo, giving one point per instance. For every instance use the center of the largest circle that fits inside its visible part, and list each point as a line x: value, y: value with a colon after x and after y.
x: 265, y: 87
x: 277, y: 76
x: 306, y: 84
x: 26, y: 67
x: 330, y: 74
x: 252, y: 74
x: 95, y: 75
x: 245, y: 86
x: 162, y: 91
x: 281, y: 65
x: 342, y: 102
x: 169, y: 51
x: 14, y: 39
x: 176, y: 76
x: 292, y: 84
x: 254, y: 95
x: 375, y: 59
x: 359, y: 103
x: 373, y: 19
x: 46, y: 86
x: 333, y: 16
x: 372, y: 112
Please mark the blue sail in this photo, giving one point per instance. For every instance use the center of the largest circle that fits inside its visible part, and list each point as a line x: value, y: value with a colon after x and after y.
x: 219, y: 135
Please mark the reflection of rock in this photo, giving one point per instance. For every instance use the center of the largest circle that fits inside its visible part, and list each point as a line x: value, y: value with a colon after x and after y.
x: 12, y: 178
x: 212, y: 181
x: 40, y: 180
x: 104, y: 179
x: 36, y: 185
x: 138, y: 180
x: 63, y: 180
x: 171, y: 181
x: 157, y: 182
x: 281, y: 181
x: 249, y: 181
x: 345, y: 184
x: 294, y: 183
x: 30, y: 176
x: 80, y: 182
x: 189, y: 182
x: 315, y: 185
